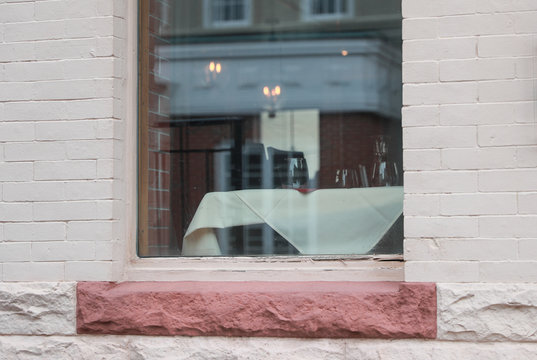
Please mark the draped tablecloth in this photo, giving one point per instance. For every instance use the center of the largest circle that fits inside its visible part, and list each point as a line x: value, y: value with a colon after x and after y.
x: 325, y: 221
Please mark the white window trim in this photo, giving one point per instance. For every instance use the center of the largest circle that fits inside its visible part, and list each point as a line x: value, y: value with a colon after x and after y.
x: 130, y: 267
x: 305, y: 6
x: 208, y: 23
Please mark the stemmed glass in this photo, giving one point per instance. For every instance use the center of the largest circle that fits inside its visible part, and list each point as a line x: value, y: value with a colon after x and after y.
x: 297, y: 172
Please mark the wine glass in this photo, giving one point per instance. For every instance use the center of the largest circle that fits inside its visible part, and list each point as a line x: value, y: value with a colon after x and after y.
x: 297, y: 172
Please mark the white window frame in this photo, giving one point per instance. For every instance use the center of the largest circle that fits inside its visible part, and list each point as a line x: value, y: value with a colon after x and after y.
x: 308, y: 16
x: 128, y: 266
x: 208, y: 22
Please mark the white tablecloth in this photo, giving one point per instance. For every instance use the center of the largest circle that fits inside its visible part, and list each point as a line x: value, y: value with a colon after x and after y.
x: 328, y: 221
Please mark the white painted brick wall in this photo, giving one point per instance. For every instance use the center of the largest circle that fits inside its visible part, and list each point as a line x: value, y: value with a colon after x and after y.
x: 61, y: 75
x: 470, y: 140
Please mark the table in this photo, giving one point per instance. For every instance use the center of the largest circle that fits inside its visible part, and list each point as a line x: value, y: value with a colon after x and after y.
x: 325, y: 221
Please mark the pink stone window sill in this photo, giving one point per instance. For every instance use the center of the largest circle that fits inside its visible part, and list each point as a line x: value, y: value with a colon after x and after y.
x: 273, y: 309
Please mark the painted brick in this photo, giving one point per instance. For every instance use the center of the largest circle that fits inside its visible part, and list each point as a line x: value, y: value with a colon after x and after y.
x: 459, y: 114
x: 105, y: 250
x: 34, y: 191
x: 525, y: 23
x: 426, y: 182
x: 89, y: 270
x: 478, y: 204
x: 20, y: 131
x: 14, y: 13
x: 428, y: 8
x: 508, y: 272
x: 44, y: 231
x: 420, y: 115
x: 90, y: 149
x: 518, y: 226
x: 66, y: 130
x: 505, y: 45
x: 442, y: 271
x: 505, y: 113
x: 490, y: 6
x: 444, y: 93
x: 33, y: 71
x: 68, y: 49
x: 31, y: 31
x: 89, y: 190
x: 479, y: 158
x: 16, y: 212
x: 73, y: 89
x: 461, y: 249
x: 17, y: 171
x: 435, y: 137
x: 527, y: 203
x: 74, y: 210
x: 503, y: 91
x: 441, y: 227
x: 442, y: 49
x: 414, y: 29
x: 34, y: 151
x: 105, y: 168
x: 421, y: 159
x: 63, y: 250
x: 13, y: 252
x: 477, y: 69
x: 24, y: 51
x: 527, y: 249
x: 501, y: 135
x: 420, y: 72
x: 508, y: 180
x: 65, y: 170
x: 526, y: 156
x: 90, y: 230
x: 421, y: 205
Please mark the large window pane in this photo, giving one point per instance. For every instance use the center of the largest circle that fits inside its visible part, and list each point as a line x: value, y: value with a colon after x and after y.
x: 282, y: 137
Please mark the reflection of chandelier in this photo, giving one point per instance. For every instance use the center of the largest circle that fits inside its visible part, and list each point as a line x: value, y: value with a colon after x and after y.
x: 215, y: 67
x: 212, y: 71
x: 272, y: 96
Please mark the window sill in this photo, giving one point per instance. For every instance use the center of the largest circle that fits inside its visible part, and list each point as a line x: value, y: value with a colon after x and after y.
x: 322, y: 268
x: 268, y: 309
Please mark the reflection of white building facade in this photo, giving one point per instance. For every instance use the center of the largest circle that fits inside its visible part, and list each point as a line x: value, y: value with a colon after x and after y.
x: 356, y: 76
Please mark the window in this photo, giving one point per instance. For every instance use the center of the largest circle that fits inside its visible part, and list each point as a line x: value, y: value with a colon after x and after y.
x: 226, y: 13
x: 326, y: 9
x: 277, y: 138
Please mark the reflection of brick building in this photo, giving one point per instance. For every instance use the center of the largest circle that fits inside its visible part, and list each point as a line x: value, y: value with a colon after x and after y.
x: 159, y: 216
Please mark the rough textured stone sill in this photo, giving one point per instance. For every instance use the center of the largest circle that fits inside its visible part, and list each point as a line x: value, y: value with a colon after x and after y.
x: 274, y: 309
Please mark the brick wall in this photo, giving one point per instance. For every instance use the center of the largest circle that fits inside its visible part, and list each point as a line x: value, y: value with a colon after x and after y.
x: 470, y: 140
x: 470, y: 155
x: 61, y: 70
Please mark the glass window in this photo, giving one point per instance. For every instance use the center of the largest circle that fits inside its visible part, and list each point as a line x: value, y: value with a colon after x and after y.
x: 282, y: 137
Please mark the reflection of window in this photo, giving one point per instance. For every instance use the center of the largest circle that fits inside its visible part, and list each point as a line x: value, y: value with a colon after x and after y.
x: 325, y: 9
x: 224, y: 13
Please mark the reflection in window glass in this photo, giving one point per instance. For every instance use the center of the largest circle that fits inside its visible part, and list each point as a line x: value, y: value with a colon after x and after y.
x: 282, y: 137
x: 322, y: 7
x: 227, y: 10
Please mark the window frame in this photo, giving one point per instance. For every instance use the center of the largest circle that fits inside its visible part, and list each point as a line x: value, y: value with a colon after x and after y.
x: 307, y: 15
x: 388, y: 267
x: 208, y: 22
